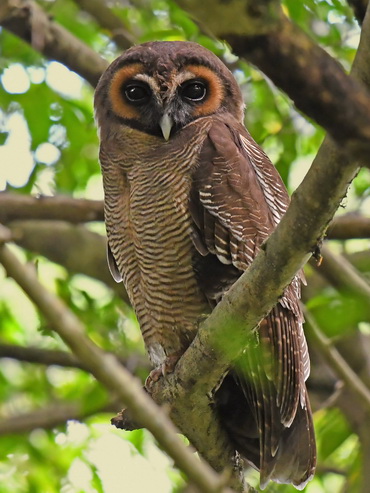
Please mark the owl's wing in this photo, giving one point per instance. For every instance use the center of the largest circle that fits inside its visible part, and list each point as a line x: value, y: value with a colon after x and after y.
x: 112, y: 264
x: 236, y: 200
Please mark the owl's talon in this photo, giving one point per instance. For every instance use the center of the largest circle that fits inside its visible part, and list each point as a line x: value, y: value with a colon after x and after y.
x: 153, y: 377
x: 167, y: 367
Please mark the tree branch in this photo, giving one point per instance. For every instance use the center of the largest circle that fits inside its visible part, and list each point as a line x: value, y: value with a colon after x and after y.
x: 109, y: 21
x: 15, y: 207
x: 27, y: 20
x: 335, y: 360
x: 50, y: 357
x: 109, y: 371
x: 342, y: 275
x: 349, y: 226
x: 59, y: 241
x: 50, y: 416
x: 315, y: 81
x: 60, y: 207
x: 259, y: 288
x: 359, y: 8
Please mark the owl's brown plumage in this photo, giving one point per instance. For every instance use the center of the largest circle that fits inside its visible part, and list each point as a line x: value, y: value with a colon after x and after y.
x: 189, y: 199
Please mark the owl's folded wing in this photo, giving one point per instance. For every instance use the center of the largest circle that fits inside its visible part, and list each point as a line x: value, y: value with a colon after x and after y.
x: 237, y: 199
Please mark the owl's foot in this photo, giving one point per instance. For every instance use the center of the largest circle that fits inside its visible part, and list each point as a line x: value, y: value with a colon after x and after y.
x: 168, y: 366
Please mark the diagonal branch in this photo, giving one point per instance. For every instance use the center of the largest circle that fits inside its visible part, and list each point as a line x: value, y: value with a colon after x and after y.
x: 110, y: 372
x: 108, y: 20
x: 50, y: 357
x: 258, y: 290
x: 27, y: 20
x: 336, y: 361
x: 59, y: 241
x: 343, y: 275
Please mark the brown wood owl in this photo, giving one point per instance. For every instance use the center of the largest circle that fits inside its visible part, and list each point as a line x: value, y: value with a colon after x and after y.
x: 189, y: 199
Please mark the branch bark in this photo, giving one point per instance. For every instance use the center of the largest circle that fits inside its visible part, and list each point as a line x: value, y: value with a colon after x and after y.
x: 27, y: 20
x: 50, y: 416
x: 109, y: 21
x: 313, y: 79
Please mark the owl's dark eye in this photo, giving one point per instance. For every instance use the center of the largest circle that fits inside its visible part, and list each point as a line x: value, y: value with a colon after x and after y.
x: 194, y: 91
x: 137, y: 93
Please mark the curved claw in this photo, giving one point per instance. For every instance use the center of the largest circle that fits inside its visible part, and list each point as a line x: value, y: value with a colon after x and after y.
x: 168, y: 366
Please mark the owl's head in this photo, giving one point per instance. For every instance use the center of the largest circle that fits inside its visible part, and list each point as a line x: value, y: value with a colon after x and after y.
x: 159, y: 87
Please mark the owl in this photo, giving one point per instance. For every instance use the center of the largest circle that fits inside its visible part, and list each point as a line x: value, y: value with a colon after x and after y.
x: 189, y: 199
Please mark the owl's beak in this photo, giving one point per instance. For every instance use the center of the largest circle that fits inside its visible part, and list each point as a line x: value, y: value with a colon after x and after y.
x: 166, y: 124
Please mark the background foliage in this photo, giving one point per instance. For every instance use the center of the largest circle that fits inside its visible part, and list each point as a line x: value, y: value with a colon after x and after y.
x: 55, y: 432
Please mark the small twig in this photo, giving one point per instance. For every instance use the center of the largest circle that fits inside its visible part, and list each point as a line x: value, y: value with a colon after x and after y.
x: 335, y: 360
x: 110, y: 372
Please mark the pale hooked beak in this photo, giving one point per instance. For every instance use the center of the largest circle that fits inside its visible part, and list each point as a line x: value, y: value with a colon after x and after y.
x: 166, y: 125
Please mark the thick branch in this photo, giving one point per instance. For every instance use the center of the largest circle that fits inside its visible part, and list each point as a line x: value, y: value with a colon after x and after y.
x: 110, y: 372
x: 108, y: 20
x: 313, y: 79
x: 27, y: 20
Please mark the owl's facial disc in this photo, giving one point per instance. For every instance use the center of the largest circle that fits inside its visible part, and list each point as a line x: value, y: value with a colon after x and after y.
x: 161, y: 104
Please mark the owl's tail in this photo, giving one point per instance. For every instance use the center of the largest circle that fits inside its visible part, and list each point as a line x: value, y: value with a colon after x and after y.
x: 264, y: 405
